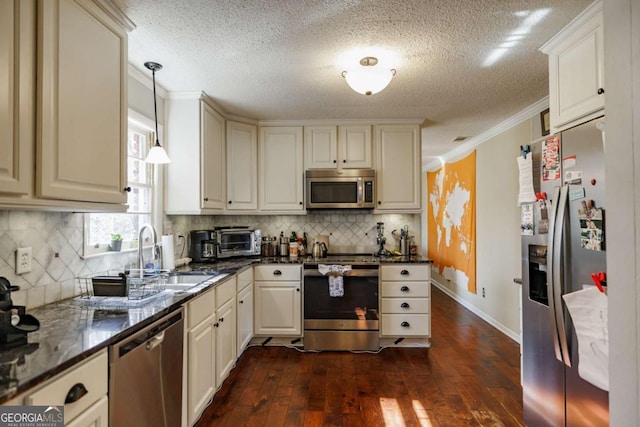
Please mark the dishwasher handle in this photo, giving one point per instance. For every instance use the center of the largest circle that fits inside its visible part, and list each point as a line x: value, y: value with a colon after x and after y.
x: 151, y: 336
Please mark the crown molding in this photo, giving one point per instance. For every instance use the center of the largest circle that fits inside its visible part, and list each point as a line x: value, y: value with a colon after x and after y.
x: 576, y: 23
x: 472, y: 143
x: 343, y: 122
x: 146, y: 80
x: 114, y: 12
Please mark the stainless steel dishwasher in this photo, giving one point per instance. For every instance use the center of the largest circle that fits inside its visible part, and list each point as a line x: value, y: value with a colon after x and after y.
x: 145, y: 375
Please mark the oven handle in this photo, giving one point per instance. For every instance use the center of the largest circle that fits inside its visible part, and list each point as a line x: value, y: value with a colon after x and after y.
x: 349, y: 273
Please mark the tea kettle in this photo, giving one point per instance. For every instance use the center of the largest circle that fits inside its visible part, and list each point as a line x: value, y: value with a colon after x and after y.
x: 319, y: 250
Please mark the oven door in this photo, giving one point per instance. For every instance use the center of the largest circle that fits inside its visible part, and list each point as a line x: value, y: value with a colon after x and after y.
x: 235, y: 243
x: 356, y: 310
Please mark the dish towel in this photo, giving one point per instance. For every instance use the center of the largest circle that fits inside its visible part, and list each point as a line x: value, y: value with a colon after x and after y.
x: 335, y: 273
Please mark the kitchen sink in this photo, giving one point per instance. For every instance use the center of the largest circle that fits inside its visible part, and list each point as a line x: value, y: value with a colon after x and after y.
x: 183, y: 281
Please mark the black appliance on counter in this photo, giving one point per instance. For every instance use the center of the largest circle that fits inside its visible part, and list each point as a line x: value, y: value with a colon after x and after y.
x: 203, y: 246
x: 15, y: 324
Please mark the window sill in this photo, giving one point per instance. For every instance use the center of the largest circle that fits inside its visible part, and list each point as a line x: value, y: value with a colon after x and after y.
x: 110, y: 253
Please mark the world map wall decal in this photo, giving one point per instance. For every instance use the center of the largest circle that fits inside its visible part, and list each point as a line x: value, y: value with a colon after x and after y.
x: 451, y: 221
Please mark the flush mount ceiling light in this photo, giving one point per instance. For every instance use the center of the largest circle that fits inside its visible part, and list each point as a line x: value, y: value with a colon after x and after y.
x: 157, y: 154
x: 368, y: 79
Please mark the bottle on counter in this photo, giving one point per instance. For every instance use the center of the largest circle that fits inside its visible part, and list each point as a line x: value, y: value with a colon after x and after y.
x: 284, y: 245
x: 302, y: 250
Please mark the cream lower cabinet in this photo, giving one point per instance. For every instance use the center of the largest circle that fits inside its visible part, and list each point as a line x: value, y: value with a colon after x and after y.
x: 281, y: 169
x: 405, y: 303
x: 244, y: 310
x: 278, y: 300
x: 90, y: 409
x: 195, y: 143
x: 201, y: 354
x: 225, y: 329
x: 398, y: 167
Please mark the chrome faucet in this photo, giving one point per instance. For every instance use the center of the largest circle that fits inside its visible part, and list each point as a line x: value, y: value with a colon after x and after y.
x: 155, y: 250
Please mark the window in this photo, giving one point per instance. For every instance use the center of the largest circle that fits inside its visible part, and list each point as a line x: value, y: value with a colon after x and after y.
x: 99, y: 227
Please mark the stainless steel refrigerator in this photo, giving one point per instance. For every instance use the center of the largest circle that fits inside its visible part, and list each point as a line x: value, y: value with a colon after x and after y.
x: 567, y: 245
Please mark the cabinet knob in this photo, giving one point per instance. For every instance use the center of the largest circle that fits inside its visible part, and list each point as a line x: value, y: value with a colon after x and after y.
x: 75, y: 393
x: 405, y: 324
x: 379, y: 202
x: 216, y: 324
x: 300, y: 203
x: 297, y: 289
x: 404, y: 305
x: 600, y: 91
x: 344, y: 161
x: 404, y: 272
x: 277, y: 273
x: 404, y: 289
x: 335, y: 161
x: 241, y: 301
x: 127, y: 189
x: 230, y: 201
x: 206, y: 199
x: 221, y: 319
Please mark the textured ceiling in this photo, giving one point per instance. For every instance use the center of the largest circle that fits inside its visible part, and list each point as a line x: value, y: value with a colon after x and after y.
x: 462, y: 66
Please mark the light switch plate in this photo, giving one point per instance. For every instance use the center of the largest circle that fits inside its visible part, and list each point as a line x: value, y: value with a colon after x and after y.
x: 23, y: 260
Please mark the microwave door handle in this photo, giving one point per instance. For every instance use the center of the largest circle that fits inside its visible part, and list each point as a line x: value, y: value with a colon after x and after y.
x: 360, y: 192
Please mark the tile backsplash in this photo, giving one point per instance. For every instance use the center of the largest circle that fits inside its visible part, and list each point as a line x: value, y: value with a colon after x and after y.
x: 56, y: 239
x: 352, y: 231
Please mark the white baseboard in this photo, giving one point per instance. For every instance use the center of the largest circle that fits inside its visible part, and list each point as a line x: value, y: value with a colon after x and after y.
x: 475, y: 310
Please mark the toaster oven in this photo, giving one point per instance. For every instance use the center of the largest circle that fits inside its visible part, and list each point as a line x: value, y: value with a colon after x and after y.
x: 237, y: 241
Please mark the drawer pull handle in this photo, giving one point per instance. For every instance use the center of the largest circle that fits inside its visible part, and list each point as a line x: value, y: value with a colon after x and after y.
x: 405, y: 324
x: 404, y: 305
x: 404, y: 273
x: 404, y: 289
x: 75, y: 393
x: 277, y: 273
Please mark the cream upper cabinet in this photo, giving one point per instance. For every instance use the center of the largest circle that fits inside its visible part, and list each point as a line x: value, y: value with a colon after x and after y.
x: 281, y: 169
x: 212, y: 163
x: 354, y: 143
x: 195, y: 178
x: 398, y: 157
x: 328, y: 147
x: 82, y: 103
x: 17, y: 99
x: 320, y: 147
x: 242, y: 166
x: 576, y: 70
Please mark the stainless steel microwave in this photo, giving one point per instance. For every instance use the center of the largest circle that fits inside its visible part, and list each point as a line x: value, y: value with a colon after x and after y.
x: 336, y: 189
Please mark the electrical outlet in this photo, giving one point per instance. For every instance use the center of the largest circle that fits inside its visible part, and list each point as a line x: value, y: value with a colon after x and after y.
x: 483, y: 293
x: 23, y: 260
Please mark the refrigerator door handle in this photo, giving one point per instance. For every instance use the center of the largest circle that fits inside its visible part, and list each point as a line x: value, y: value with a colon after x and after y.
x: 558, y: 272
x: 551, y: 255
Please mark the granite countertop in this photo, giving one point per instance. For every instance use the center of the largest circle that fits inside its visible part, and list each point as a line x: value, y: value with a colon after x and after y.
x: 74, y: 329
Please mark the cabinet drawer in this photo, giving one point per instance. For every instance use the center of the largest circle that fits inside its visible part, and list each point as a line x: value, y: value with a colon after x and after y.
x: 405, y: 289
x: 405, y: 305
x: 244, y: 279
x: 201, y: 308
x: 225, y: 291
x: 405, y: 324
x: 92, y: 375
x: 277, y: 272
x: 405, y: 272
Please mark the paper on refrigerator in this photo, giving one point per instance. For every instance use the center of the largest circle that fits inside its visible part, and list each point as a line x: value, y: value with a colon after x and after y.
x: 527, y: 194
x: 588, y: 309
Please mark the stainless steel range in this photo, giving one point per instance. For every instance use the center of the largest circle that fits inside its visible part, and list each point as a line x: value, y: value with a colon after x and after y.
x: 347, y: 322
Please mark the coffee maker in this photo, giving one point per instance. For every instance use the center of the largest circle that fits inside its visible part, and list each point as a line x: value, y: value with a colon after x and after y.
x: 203, y: 246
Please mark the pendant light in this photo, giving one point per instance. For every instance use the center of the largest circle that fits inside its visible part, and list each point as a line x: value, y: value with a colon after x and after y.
x: 156, y: 155
x: 368, y: 79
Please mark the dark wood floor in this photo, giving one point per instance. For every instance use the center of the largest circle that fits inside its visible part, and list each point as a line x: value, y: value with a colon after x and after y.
x: 469, y: 377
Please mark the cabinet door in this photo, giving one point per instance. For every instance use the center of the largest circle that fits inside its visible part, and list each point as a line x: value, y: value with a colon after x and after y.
x: 320, y: 147
x: 281, y: 173
x: 201, y: 367
x: 242, y: 166
x: 213, y: 158
x: 355, y: 146
x: 245, y: 319
x: 398, y: 157
x: 95, y: 416
x: 17, y: 78
x: 82, y: 103
x: 576, y: 69
x: 225, y: 340
x: 278, y: 308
